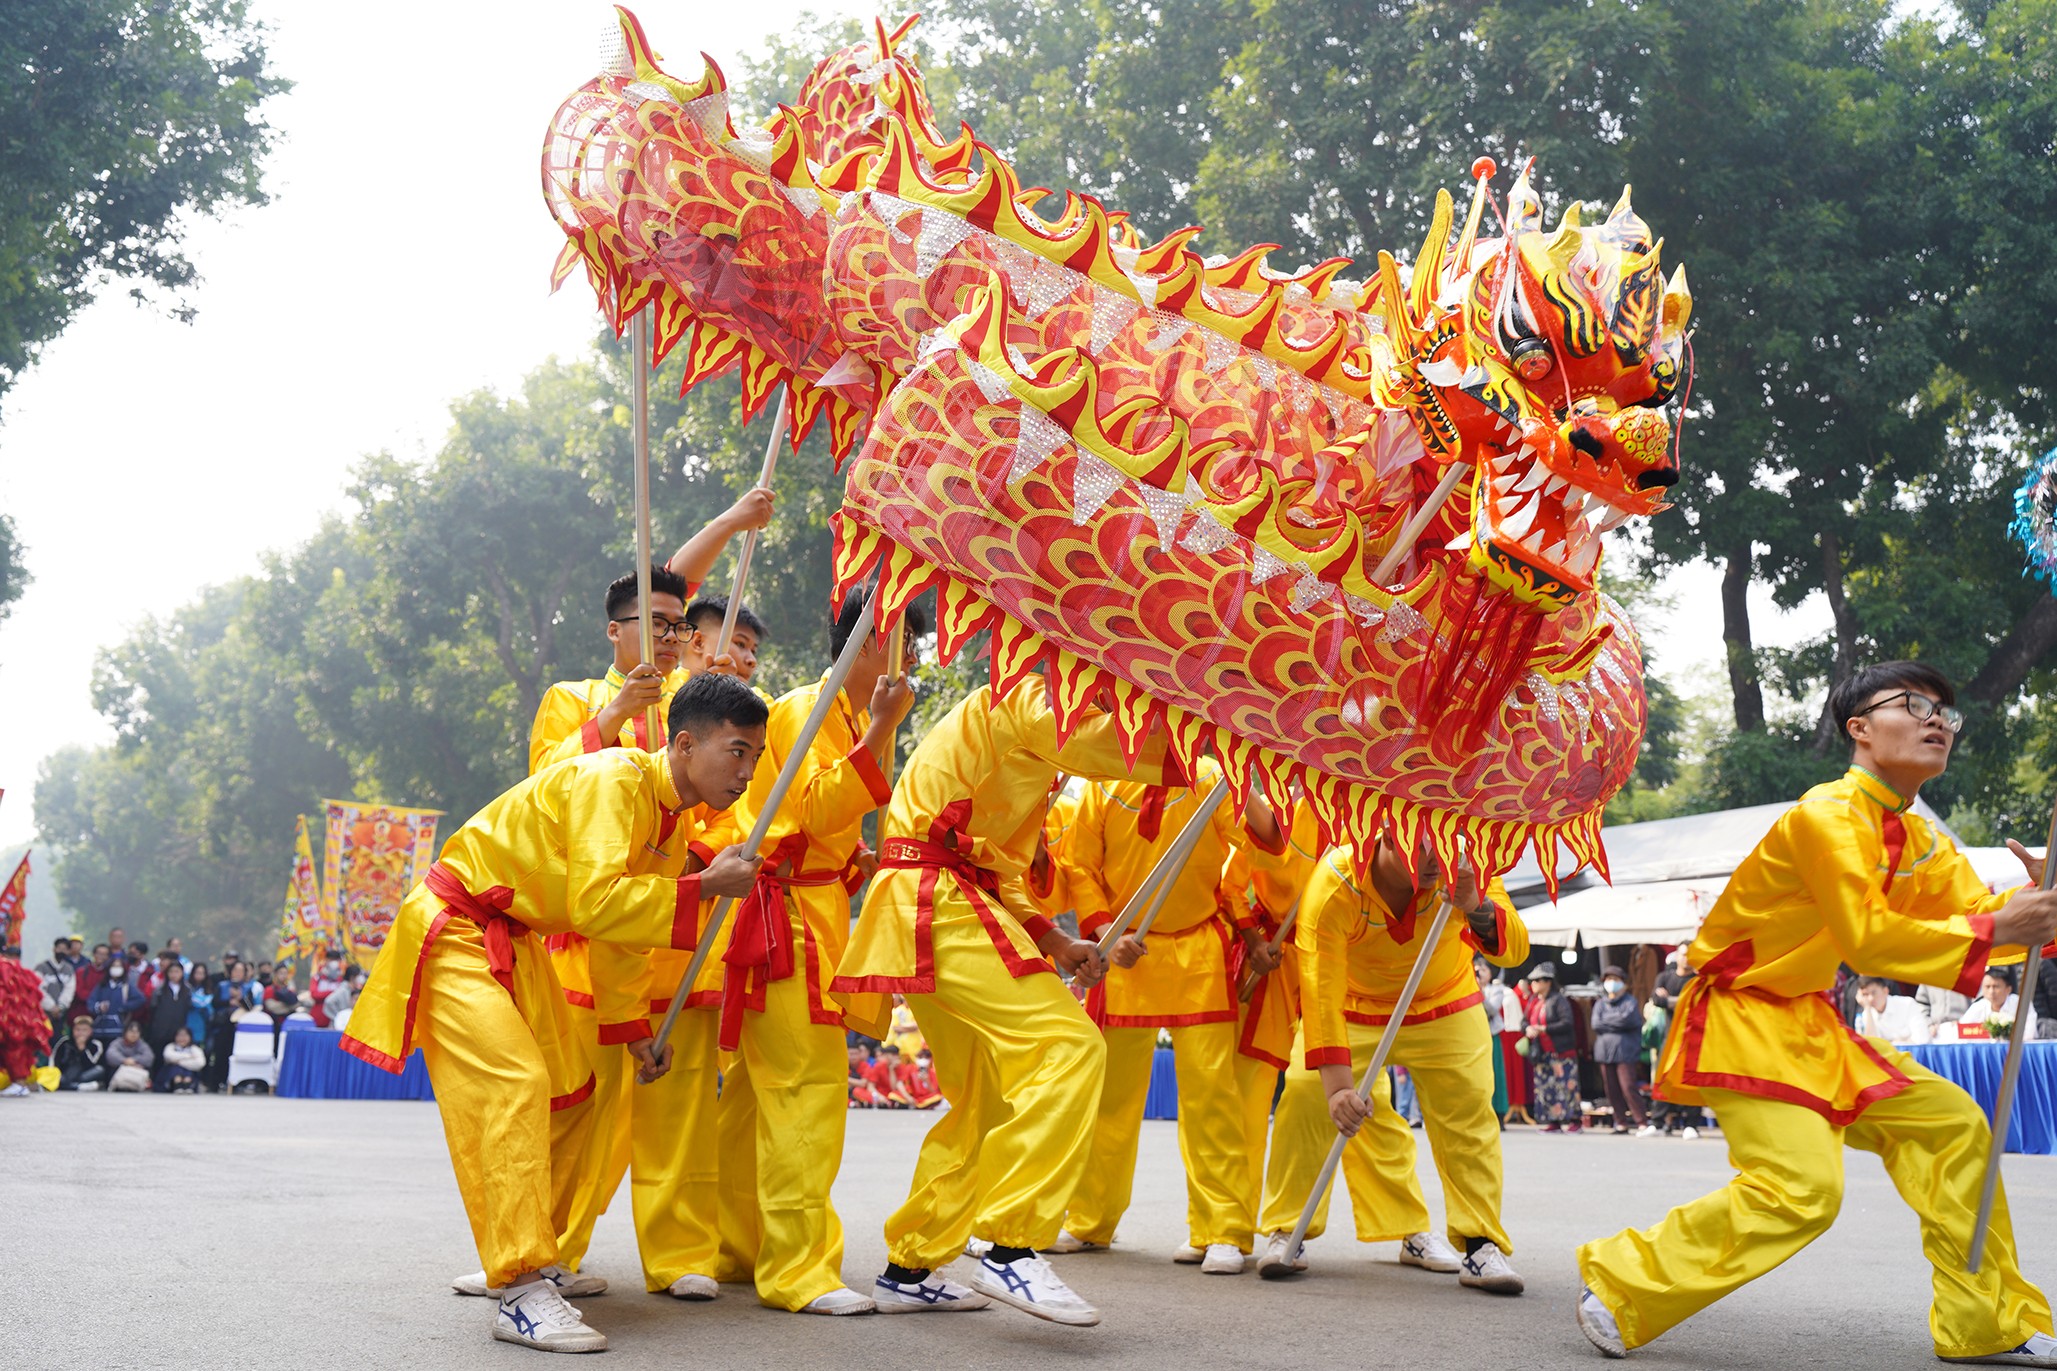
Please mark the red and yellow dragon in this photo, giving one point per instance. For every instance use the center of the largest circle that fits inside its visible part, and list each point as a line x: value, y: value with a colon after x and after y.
x: 1183, y: 486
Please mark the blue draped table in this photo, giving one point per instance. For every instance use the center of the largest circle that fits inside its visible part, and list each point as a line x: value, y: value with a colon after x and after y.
x: 1976, y: 1067
x: 314, y: 1066
x: 1162, y: 1100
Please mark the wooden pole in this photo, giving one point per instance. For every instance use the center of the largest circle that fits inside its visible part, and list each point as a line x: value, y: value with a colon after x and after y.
x: 639, y: 346
x: 1371, y: 1074
x: 1410, y: 533
x: 749, y: 543
x: 2017, y: 1041
x: 831, y: 688
x: 1150, y: 895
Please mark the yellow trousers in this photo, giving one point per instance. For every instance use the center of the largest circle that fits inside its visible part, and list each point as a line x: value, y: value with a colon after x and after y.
x: 1453, y: 1079
x: 514, y: 1156
x: 1021, y: 1065
x: 605, y: 1158
x: 784, y: 1104
x: 1789, y: 1161
x: 1217, y: 1091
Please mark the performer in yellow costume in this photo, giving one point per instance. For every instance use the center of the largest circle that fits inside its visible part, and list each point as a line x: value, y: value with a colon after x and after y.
x: 1358, y: 936
x: 594, y: 845
x: 949, y: 923
x: 1850, y: 874
x: 784, y: 1097
x: 1183, y: 979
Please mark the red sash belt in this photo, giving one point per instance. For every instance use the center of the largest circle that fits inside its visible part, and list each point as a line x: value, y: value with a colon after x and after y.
x: 912, y: 852
x: 760, y: 948
x: 489, y: 911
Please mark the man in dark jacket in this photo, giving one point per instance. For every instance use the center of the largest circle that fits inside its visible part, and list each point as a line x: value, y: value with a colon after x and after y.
x: 1617, y: 1043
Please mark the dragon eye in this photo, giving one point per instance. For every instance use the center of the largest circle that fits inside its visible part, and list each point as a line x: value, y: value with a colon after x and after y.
x: 1532, y: 359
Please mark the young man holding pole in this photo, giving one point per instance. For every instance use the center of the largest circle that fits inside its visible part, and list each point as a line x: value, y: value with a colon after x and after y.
x: 704, y: 618
x: 949, y: 923
x: 594, y: 845
x: 1357, y: 938
x: 1850, y: 874
x: 1182, y: 978
x: 784, y: 1097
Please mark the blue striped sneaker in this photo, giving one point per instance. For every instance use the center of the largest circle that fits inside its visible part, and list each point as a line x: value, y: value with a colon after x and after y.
x: 931, y: 1296
x: 1028, y: 1284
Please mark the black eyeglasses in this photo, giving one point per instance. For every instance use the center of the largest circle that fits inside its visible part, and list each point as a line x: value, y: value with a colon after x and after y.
x: 1922, y: 708
x: 661, y: 628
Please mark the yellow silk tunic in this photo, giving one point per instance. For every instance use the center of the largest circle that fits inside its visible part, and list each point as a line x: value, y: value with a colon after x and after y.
x: 1353, y: 963
x: 1187, y: 976
x: 593, y: 845
x: 567, y: 722
x: 1850, y: 874
x: 975, y: 787
x: 1265, y: 888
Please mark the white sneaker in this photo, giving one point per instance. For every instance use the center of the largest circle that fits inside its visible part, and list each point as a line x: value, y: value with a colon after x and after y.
x: 537, y: 1316
x: 1487, y: 1270
x: 1690, y: 1133
x: 1648, y: 1130
x: 695, y: 1287
x: 1429, y: 1252
x: 839, y: 1301
x: 17, y: 1088
x: 87, y: 1087
x: 2039, y: 1350
x: 570, y: 1284
x: 1598, y: 1325
x: 933, y: 1295
x: 1065, y: 1245
x: 1222, y: 1260
x: 1185, y: 1254
x: 1031, y: 1286
x: 1279, y: 1260
x: 977, y: 1247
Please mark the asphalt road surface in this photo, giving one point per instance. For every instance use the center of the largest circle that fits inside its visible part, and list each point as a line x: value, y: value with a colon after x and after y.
x: 248, y: 1232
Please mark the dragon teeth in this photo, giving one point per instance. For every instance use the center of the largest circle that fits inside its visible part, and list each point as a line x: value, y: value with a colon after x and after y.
x: 1518, y: 524
x: 1535, y: 476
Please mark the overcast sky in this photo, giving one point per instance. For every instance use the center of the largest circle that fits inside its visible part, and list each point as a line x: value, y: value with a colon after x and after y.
x: 403, y: 261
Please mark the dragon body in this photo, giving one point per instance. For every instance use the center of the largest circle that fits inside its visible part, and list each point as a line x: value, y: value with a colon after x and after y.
x: 1180, y: 485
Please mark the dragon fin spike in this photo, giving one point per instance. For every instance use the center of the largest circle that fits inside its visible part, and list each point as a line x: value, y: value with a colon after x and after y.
x: 1429, y: 265
x: 1482, y: 173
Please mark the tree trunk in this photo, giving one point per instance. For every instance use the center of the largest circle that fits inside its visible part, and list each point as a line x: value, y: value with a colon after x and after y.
x: 1735, y: 632
x: 1846, y: 636
x: 2026, y: 644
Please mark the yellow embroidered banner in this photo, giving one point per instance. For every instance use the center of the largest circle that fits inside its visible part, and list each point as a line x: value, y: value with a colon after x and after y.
x: 305, y: 929
x: 373, y: 855
x: 14, y: 904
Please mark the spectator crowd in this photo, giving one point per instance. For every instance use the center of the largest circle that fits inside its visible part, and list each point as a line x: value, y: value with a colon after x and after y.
x: 896, y: 1072
x: 122, y: 1018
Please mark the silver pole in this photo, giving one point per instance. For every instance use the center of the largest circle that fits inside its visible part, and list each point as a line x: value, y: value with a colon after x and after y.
x: 2003, y: 1108
x: 1371, y: 1074
x: 823, y: 703
x: 1150, y: 895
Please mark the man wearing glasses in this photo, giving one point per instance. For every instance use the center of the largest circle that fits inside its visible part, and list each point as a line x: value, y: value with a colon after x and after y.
x: 1850, y: 874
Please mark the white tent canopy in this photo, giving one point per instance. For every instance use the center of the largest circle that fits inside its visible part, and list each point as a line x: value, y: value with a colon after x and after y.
x: 1667, y: 874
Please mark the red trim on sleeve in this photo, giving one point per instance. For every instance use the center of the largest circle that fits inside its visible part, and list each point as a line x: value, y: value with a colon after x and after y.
x: 1036, y: 926
x: 702, y: 852
x: 1318, y: 1057
x: 1284, y: 838
x: 1098, y: 921
x: 873, y: 775
x: 589, y: 734
x: 1976, y: 956
x: 578, y: 1096
x: 685, y: 919
x: 578, y: 999
x: 635, y: 1030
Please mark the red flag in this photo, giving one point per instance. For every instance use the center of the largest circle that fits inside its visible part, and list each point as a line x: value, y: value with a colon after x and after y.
x: 14, y: 904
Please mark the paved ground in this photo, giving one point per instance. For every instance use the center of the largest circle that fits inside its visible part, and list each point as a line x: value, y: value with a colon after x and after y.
x: 204, y: 1232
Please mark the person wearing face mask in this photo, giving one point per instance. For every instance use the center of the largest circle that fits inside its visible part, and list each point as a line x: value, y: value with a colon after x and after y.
x: 1617, y: 1043
x: 1851, y: 874
x: 114, y: 1000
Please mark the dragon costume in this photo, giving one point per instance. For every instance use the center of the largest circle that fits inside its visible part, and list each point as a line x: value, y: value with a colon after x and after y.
x: 1174, y: 481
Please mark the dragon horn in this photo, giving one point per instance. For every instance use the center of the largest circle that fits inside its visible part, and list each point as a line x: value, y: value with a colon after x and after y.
x: 1482, y: 172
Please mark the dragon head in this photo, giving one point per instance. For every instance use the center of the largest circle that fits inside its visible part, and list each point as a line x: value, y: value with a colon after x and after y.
x: 1549, y: 356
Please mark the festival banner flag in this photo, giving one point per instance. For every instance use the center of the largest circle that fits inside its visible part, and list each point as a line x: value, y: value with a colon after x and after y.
x: 14, y: 904
x: 304, y: 928
x: 373, y: 855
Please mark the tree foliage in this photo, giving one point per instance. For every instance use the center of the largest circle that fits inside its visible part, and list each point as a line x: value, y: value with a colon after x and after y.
x: 119, y: 120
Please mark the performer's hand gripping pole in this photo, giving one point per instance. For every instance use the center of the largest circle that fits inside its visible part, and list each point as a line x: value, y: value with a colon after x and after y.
x: 749, y: 543
x: 639, y: 348
x: 2003, y: 1109
x: 831, y: 688
x: 1285, y: 931
x: 1149, y: 897
x: 1371, y: 1074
